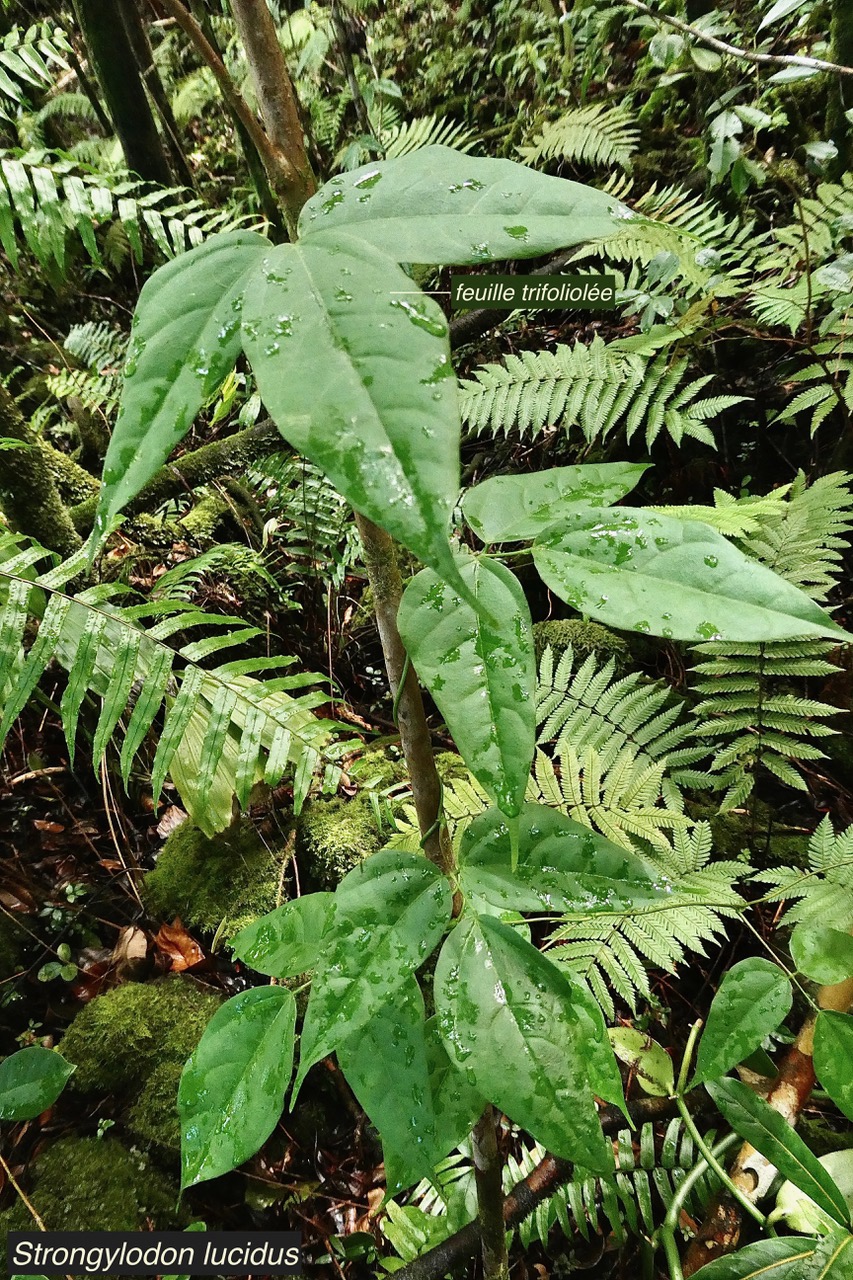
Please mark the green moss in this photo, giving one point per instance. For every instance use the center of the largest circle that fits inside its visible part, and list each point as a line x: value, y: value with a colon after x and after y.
x: 585, y: 638
x: 333, y: 836
x: 233, y: 877
x: 120, y: 1039
x: 85, y: 1184
x: 378, y: 769
x: 821, y: 1138
x: 205, y: 517
x: 153, y: 1118
x: 451, y: 766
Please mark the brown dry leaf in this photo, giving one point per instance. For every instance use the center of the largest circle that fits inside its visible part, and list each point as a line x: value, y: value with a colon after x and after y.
x: 172, y: 817
x: 53, y: 827
x: 174, y: 941
x: 130, y: 952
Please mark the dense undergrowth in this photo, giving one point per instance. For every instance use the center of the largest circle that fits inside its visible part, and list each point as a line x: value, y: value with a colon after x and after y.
x: 197, y: 721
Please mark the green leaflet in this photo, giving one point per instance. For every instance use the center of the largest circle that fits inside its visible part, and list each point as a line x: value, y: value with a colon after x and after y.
x: 833, y: 1258
x: 768, y: 1259
x: 514, y: 508
x: 643, y: 571
x: 770, y: 1133
x: 186, y: 339
x: 30, y: 1081
x: 822, y: 954
x: 353, y: 363
x: 286, y: 942
x: 403, y: 1079
x: 389, y: 915
x: 753, y: 999
x: 232, y: 1088
x: 562, y: 866
x: 479, y: 667
x: 438, y: 205
x: 511, y: 1021
x: 833, y: 1054
x: 649, y: 1062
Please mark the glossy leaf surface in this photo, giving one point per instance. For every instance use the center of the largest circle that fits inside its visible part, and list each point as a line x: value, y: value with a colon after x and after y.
x: 185, y: 341
x: 822, y: 954
x: 232, y: 1088
x: 515, y: 508
x: 391, y: 1066
x: 562, y: 866
x: 390, y: 913
x: 438, y: 205
x: 509, y: 1019
x: 768, y: 1259
x: 479, y: 668
x: 754, y: 998
x: 356, y: 372
x: 649, y: 1063
x: 833, y: 1058
x: 833, y: 1258
x: 646, y: 572
x: 770, y: 1133
x: 286, y: 942
x: 30, y: 1081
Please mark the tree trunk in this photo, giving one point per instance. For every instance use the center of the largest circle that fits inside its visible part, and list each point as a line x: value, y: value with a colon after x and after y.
x: 143, y: 53
x: 840, y: 99
x: 112, y: 59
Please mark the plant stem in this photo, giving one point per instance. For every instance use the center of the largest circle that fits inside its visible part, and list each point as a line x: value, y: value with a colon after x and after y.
x: 490, y: 1198
x: 742, y: 1199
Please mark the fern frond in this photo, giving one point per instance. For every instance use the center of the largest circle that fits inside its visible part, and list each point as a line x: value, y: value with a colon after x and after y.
x: 824, y: 894
x: 29, y: 60
x: 425, y: 131
x: 596, y: 134
x: 224, y: 730
x: 308, y: 523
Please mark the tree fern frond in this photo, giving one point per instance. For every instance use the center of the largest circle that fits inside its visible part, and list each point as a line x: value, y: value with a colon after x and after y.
x: 425, y: 131
x: 220, y: 722
x: 823, y: 895
x: 596, y: 134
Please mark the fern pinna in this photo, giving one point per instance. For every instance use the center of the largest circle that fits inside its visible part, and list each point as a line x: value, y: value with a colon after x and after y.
x: 752, y: 707
x: 223, y: 729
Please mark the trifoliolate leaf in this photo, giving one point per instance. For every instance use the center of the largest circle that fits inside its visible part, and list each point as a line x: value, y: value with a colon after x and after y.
x: 185, y: 341
x: 825, y: 955
x: 770, y: 1133
x: 647, y: 572
x: 649, y: 1063
x: 766, y: 1260
x: 479, y: 667
x: 400, y: 1074
x: 754, y: 998
x: 286, y: 942
x: 30, y: 1081
x: 510, y: 1020
x: 389, y: 915
x: 515, y: 508
x: 562, y: 866
x: 232, y: 1088
x: 833, y: 1058
x: 354, y: 365
x: 438, y: 205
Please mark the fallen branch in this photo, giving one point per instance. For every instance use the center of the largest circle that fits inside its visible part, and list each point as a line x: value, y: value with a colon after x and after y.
x: 526, y: 1196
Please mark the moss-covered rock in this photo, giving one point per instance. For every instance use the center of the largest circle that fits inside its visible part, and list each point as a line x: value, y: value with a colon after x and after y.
x: 232, y: 876
x: 153, y: 1118
x: 585, y: 638
x: 128, y: 1040
x: 333, y: 836
x: 86, y: 1184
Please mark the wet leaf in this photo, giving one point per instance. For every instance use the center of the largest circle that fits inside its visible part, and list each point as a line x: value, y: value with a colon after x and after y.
x: 353, y: 363
x: 833, y: 1258
x: 562, y: 866
x: 770, y: 1133
x: 822, y: 954
x: 515, y: 508
x: 478, y: 665
x: 286, y: 942
x: 753, y: 999
x: 648, y: 1062
x: 833, y: 1057
x: 185, y: 341
x: 646, y: 572
x: 30, y: 1081
x: 232, y: 1088
x: 768, y: 1259
x: 438, y: 205
x: 510, y: 1021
